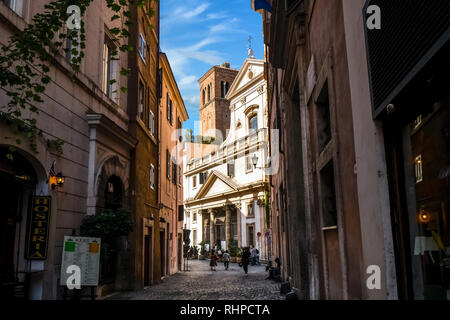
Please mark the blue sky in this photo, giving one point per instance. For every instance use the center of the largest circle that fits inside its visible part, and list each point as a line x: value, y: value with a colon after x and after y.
x: 198, y: 34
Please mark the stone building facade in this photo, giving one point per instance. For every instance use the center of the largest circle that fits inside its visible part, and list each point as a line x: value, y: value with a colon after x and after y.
x: 319, y: 211
x: 110, y: 157
x: 224, y: 193
x: 94, y: 122
x: 143, y: 101
x: 172, y: 115
x: 349, y: 200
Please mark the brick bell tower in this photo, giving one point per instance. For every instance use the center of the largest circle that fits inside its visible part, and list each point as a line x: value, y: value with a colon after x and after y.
x: 214, y: 108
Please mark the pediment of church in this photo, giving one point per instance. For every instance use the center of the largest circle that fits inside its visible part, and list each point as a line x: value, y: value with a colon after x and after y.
x: 251, y: 71
x: 217, y: 183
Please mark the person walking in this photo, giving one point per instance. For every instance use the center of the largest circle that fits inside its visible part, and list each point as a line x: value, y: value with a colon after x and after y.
x: 213, y: 260
x: 254, y: 254
x: 226, y: 259
x: 245, y: 259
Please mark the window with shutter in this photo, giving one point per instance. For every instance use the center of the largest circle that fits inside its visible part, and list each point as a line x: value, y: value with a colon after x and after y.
x: 152, y: 176
x: 168, y: 163
x: 170, y: 111
x: 174, y: 172
x: 151, y: 123
x: 141, y: 100
x: 142, y: 47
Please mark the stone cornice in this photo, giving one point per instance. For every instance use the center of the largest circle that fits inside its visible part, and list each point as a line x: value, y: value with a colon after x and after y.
x: 101, y: 121
x: 248, y: 189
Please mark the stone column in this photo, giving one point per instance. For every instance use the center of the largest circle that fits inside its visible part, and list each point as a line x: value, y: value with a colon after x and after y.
x: 239, y: 227
x: 227, y: 225
x: 212, y: 229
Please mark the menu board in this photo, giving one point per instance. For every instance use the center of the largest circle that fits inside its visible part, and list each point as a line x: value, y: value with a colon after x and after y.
x: 83, y: 252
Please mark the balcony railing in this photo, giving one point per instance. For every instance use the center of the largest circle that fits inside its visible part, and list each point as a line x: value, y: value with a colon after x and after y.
x: 251, y: 140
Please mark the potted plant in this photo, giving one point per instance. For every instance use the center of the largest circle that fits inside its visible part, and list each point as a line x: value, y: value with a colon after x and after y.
x: 239, y: 255
x: 203, y: 252
x: 233, y: 249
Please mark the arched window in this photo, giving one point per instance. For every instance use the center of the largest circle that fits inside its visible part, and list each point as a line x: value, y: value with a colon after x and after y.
x: 209, y: 92
x: 253, y: 122
x: 225, y: 86
x: 203, y: 97
x: 114, y: 193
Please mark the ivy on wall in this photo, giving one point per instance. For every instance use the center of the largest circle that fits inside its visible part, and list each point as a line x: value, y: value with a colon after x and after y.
x: 25, y: 62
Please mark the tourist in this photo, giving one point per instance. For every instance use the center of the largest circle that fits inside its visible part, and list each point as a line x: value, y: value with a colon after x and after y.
x: 226, y: 259
x: 245, y: 259
x: 213, y: 260
x: 254, y: 255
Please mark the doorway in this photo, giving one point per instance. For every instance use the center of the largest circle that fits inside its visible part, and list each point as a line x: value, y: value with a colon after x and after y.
x: 180, y: 251
x: 148, y: 255
x: 162, y: 244
x: 17, y: 183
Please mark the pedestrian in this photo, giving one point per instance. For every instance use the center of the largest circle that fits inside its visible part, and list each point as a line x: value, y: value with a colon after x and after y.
x: 226, y: 259
x: 245, y: 259
x: 213, y: 260
x: 254, y: 254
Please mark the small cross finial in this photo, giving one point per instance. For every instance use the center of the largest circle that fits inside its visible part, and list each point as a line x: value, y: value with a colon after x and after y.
x: 250, y: 50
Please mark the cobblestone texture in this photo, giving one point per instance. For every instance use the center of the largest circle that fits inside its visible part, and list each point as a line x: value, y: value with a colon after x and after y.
x: 202, y: 284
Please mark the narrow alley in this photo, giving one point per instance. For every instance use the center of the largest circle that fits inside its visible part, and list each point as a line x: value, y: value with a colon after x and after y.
x: 199, y: 283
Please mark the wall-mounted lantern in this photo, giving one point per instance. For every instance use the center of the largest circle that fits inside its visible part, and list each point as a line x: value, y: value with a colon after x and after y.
x: 424, y: 216
x: 56, y: 181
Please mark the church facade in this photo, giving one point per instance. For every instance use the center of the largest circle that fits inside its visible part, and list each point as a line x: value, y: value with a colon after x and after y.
x: 225, y: 190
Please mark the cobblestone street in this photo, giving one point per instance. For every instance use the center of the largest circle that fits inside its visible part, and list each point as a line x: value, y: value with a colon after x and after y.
x: 202, y: 284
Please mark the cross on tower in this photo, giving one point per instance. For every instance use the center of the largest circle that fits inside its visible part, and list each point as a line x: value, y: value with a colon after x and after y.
x: 250, y: 50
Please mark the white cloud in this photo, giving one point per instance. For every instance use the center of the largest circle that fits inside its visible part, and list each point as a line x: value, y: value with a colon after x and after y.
x: 193, y: 99
x: 187, y: 80
x: 196, y: 12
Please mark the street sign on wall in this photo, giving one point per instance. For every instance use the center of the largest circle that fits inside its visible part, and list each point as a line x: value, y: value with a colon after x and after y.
x: 39, y: 221
x: 83, y: 252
